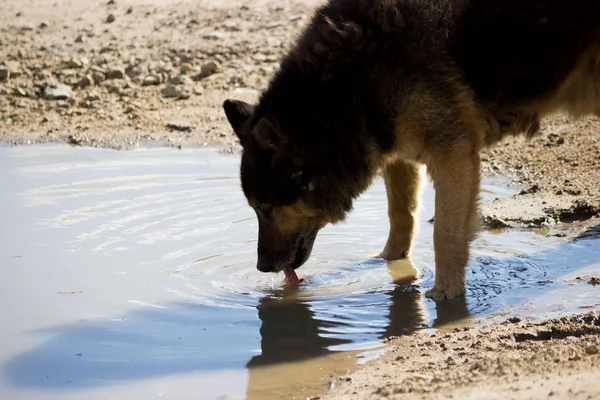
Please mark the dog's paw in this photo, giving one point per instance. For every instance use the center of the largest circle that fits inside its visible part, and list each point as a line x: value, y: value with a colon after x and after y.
x: 390, y: 255
x: 448, y: 292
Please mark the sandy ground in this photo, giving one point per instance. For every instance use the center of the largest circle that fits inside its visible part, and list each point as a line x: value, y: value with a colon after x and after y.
x: 126, y: 73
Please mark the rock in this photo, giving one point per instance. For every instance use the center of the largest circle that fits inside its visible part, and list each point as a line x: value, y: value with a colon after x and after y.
x: 19, y: 92
x: 591, y: 349
x: 186, y: 68
x: 171, y: 92
x: 43, y: 25
x: 80, y: 39
x: 98, y: 77
x: 92, y: 96
x: 63, y: 104
x: 14, y: 69
x: 4, y: 73
x: 181, y: 127
x: 179, y: 80
x: 71, y: 63
x: 184, y: 94
x: 41, y: 74
x: 199, y: 91
x: 134, y: 72
x: 110, y: 19
x: 152, y: 80
x: 56, y: 91
x: 116, y: 73
x: 206, y: 71
x: 129, y: 10
x: 214, y: 35
x: 113, y: 86
x: 86, y: 81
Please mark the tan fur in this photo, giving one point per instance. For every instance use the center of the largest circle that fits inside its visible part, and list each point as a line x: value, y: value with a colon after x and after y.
x: 402, y: 181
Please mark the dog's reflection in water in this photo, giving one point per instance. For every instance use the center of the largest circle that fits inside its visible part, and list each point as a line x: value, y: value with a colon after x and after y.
x: 298, y: 347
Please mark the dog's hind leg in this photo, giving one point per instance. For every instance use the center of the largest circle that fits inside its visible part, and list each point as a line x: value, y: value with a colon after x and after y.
x: 402, y: 187
x: 456, y: 179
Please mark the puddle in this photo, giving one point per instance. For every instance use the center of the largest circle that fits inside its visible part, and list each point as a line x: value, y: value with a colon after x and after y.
x: 132, y: 275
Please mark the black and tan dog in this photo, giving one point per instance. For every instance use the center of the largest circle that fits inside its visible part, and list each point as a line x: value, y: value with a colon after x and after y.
x: 390, y: 85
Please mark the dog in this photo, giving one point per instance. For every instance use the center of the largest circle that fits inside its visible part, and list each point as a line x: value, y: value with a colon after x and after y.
x: 385, y: 86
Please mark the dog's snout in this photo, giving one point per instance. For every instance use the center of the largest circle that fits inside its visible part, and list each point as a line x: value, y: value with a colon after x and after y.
x: 265, y: 265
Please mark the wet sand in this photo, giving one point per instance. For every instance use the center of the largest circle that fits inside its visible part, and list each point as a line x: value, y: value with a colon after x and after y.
x: 156, y: 73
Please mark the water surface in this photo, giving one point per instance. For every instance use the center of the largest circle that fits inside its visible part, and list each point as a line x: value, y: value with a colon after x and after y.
x: 131, y: 275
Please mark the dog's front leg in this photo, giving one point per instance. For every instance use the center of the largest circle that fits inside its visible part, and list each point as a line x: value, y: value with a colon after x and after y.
x: 402, y: 187
x: 455, y: 174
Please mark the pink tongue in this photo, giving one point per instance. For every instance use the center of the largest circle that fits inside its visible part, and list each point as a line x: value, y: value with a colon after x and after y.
x: 291, y: 277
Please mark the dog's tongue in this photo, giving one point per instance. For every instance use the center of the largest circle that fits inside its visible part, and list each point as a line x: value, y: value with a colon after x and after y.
x: 291, y: 277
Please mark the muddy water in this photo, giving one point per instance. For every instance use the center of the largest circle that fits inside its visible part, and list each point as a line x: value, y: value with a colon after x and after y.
x: 130, y: 275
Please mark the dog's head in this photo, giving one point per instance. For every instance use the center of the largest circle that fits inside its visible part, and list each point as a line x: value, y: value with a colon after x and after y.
x: 292, y: 202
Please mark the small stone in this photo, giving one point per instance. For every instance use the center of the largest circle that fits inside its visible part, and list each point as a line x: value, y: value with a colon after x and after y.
x: 176, y: 126
x: 4, y: 73
x: 79, y: 39
x: 206, y: 71
x: 179, y: 80
x: 199, y: 91
x: 186, y: 68
x: 184, y: 94
x: 116, y: 73
x: 110, y: 19
x: 214, y: 35
x: 86, y: 81
x: 91, y: 96
x: 71, y: 63
x: 19, y: 92
x: 56, y: 91
x: 63, y: 104
x: 170, y: 92
x: 591, y: 349
x: 129, y: 10
x: 134, y: 72
x: 151, y: 80
x: 113, y: 86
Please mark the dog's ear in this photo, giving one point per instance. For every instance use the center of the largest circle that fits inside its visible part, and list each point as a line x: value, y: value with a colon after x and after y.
x: 268, y: 134
x: 238, y: 112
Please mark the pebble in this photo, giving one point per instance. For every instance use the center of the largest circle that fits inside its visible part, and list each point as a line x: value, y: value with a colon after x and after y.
x: 116, y: 73
x: 91, y: 96
x: 110, y: 19
x: 134, y: 72
x: 19, y: 92
x: 151, y: 80
x: 98, y: 77
x: 179, y: 80
x: 71, y: 63
x: 86, y: 81
x: 214, y: 35
x: 186, y: 68
x: 56, y: 91
x: 591, y: 349
x: 177, y: 126
x: 79, y: 39
x: 171, y: 92
x: 206, y: 71
x: 4, y: 73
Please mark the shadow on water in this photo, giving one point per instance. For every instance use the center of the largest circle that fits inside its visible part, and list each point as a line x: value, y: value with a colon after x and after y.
x: 150, y: 343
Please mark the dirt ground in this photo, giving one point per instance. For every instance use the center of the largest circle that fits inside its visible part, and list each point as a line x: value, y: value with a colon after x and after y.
x: 127, y: 73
